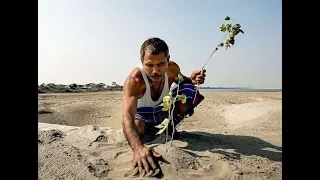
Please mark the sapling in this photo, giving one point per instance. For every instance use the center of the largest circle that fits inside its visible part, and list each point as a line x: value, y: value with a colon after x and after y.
x: 228, y: 40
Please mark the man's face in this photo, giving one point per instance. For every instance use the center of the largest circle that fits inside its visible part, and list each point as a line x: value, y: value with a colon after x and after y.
x: 155, y: 65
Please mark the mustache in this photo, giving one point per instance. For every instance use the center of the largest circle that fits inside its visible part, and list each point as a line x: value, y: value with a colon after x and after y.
x: 156, y: 75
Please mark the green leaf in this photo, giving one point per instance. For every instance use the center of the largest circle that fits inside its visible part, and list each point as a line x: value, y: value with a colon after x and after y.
x: 232, y: 41
x: 227, y: 18
x: 237, y: 26
x: 165, y: 107
x: 223, y: 28
x: 239, y: 30
x: 231, y: 35
x: 164, y: 124
x: 180, y: 77
x: 182, y: 98
x: 228, y: 27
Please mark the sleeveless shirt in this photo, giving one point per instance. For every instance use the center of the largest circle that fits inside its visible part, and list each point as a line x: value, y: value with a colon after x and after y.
x: 146, y: 100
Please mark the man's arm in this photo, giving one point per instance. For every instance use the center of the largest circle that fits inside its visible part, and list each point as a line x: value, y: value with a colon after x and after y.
x: 196, y: 77
x: 129, y: 108
x: 143, y: 157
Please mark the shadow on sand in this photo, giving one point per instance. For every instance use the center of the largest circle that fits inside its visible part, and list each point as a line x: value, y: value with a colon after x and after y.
x: 220, y: 143
x: 245, y: 145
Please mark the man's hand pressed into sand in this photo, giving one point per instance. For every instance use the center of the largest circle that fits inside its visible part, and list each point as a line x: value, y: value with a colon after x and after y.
x: 143, y: 157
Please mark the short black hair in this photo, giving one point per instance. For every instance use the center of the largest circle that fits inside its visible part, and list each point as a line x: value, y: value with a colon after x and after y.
x: 156, y: 46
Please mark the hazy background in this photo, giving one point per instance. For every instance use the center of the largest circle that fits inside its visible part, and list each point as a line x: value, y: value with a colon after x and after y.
x: 93, y: 41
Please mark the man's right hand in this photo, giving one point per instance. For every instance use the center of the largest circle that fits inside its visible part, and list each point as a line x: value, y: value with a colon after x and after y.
x: 143, y: 158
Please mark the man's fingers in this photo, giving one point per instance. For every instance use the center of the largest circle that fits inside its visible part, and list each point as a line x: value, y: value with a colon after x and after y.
x: 135, y: 171
x: 150, y: 173
x: 155, y: 154
x: 140, y: 167
x: 200, y: 76
x: 156, y: 172
x: 134, y: 164
x: 202, y: 71
x: 145, y: 165
x: 152, y: 163
x: 143, y: 173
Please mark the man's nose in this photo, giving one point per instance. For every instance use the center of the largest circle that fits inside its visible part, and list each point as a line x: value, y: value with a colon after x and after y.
x: 155, y: 70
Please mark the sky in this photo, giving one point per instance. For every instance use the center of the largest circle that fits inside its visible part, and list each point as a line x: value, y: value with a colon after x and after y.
x: 93, y: 41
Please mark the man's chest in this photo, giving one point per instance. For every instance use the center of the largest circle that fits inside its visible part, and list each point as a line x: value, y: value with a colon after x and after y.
x: 156, y: 90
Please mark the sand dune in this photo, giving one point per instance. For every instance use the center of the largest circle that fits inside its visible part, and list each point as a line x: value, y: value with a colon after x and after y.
x: 231, y: 136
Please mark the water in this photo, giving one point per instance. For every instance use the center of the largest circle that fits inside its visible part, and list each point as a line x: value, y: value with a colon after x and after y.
x: 240, y: 90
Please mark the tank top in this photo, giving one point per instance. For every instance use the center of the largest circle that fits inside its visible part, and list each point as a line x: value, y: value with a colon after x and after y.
x: 146, y: 100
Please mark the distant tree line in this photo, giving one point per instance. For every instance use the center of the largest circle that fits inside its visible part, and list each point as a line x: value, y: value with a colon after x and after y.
x: 77, y: 88
x: 208, y: 87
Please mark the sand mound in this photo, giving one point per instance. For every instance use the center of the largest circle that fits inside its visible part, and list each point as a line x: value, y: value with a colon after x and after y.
x: 183, y: 164
x: 91, y: 152
x: 240, y: 113
x: 79, y: 113
x: 44, y: 110
x: 46, y: 137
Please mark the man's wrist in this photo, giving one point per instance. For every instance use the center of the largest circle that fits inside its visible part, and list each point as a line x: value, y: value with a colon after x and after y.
x: 188, y: 80
x: 136, y: 144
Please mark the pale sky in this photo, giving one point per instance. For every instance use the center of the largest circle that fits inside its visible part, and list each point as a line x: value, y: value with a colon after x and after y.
x: 93, y: 41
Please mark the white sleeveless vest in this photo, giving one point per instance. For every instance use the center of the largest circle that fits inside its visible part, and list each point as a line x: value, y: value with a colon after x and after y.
x: 146, y: 100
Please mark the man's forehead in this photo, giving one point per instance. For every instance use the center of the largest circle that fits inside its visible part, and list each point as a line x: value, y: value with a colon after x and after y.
x: 155, y: 57
x: 154, y: 61
x: 149, y: 52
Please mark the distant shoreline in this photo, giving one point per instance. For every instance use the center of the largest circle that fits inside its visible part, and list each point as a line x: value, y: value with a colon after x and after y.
x: 201, y: 90
x: 235, y: 88
x: 239, y: 90
x: 91, y: 87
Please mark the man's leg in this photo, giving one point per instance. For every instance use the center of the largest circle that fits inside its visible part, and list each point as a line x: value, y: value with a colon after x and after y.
x: 146, y: 131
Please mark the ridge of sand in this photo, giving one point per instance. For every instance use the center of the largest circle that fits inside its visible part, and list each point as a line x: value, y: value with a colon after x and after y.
x: 239, y: 113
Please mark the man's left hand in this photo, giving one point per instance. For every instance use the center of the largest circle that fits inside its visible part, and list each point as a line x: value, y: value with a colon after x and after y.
x: 198, y: 76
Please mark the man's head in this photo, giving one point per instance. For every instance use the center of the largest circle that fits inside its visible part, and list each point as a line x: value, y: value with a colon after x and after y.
x: 154, y: 54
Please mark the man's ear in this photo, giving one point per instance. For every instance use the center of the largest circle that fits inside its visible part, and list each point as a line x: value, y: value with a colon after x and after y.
x: 168, y: 58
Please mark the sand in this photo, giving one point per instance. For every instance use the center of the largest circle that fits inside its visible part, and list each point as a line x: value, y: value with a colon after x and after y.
x: 231, y: 136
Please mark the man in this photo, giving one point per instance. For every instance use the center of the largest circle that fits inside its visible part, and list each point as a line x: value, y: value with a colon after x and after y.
x: 143, y: 92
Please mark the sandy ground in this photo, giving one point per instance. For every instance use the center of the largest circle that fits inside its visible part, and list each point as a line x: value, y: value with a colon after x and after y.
x: 232, y: 135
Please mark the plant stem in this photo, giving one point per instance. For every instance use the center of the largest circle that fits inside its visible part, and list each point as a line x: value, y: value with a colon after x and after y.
x: 175, y: 98
x: 217, y: 47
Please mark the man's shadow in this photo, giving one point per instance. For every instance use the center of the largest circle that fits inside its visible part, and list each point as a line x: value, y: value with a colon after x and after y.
x: 245, y: 145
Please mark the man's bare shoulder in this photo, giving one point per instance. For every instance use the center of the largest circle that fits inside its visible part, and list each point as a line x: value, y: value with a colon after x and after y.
x: 133, y: 80
x: 173, y: 68
x: 135, y: 74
